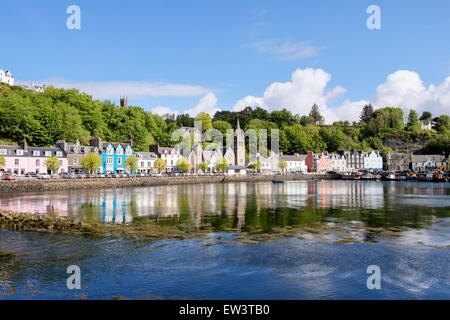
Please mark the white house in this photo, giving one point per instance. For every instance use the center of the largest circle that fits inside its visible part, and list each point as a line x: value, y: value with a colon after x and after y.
x: 146, y: 163
x: 6, y: 77
x: 373, y: 160
x: 295, y: 162
x: 210, y: 157
x: 338, y: 162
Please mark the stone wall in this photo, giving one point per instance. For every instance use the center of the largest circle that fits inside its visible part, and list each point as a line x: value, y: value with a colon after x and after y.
x: 62, y: 184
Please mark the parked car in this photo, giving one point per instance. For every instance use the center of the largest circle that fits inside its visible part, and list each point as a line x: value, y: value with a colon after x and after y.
x: 31, y: 175
x: 8, y: 176
x: 43, y: 176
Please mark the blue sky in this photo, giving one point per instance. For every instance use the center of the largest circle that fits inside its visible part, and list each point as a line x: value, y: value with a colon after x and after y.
x: 207, y: 55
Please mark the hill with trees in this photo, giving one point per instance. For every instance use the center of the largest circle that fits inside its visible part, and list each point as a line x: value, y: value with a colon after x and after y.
x: 44, y: 118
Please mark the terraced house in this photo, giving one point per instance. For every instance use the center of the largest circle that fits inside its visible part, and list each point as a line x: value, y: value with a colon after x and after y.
x: 23, y: 159
x: 113, y: 154
x: 75, y: 153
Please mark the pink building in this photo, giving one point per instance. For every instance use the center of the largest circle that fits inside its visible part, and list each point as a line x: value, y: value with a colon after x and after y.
x: 322, y: 162
x: 24, y: 159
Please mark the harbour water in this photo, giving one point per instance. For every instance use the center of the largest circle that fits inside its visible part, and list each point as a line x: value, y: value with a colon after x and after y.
x: 402, y: 227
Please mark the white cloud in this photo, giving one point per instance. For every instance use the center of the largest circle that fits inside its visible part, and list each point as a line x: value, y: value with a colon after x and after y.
x: 113, y: 89
x: 161, y: 110
x: 206, y: 104
x: 405, y: 89
x: 307, y: 86
x: 249, y: 101
x: 287, y: 50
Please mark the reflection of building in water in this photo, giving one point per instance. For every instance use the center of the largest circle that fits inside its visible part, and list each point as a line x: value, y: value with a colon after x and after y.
x: 42, y: 204
x: 115, y: 207
x: 241, y: 201
x: 348, y: 194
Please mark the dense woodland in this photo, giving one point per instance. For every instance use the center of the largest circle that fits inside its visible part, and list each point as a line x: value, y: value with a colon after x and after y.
x: 44, y: 118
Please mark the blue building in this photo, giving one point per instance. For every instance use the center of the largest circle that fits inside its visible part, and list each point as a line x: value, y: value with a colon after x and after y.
x: 113, y: 155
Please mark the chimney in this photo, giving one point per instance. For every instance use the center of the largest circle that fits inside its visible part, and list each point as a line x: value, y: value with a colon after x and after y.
x: 154, y: 147
x: 129, y: 141
x: 23, y: 143
x: 123, y: 102
x: 96, y: 142
x: 61, y: 144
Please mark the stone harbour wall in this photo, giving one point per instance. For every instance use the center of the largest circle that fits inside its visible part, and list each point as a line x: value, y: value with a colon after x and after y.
x: 32, y: 185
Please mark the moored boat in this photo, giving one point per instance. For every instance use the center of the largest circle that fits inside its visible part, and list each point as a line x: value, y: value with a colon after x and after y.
x: 350, y: 177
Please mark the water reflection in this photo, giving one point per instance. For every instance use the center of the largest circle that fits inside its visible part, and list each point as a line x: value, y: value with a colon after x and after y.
x: 243, y: 205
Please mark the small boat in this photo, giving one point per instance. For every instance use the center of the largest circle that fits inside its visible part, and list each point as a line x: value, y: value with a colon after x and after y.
x: 277, y: 181
x: 439, y: 177
x: 425, y: 177
x: 350, y: 177
x: 367, y: 176
x: 390, y: 177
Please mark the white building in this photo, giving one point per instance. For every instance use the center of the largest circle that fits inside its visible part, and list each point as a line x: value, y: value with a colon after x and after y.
x: 338, y: 162
x: 146, y: 163
x: 211, y: 157
x: 295, y: 162
x: 373, y: 160
x: 6, y: 77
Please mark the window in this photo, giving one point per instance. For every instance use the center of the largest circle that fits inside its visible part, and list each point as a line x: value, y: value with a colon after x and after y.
x: 119, y: 160
x: 119, y: 151
x: 75, y: 160
x: 59, y: 154
x: 142, y: 164
x: 110, y: 150
x: 3, y: 151
x: 128, y: 151
x: 19, y: 152
x: 36, y: 153
x: 48, y: 153
x: 16, y: 162
x: 109, y: 160
x: 38, y: 163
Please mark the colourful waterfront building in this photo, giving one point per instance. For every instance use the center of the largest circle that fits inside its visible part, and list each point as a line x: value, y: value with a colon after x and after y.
x: 113, y: 154
x: 24, y: 159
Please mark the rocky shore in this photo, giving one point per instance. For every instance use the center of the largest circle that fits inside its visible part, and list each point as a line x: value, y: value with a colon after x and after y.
x: 141, y: 227
x: 33, y: 185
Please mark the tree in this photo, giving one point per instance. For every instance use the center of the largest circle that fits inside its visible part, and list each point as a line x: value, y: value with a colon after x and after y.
x: 160, y: 165
x: 315, y: 114
x: 183, y: 164
x: 426, y: 116
x: 366, y: 113
x: 413, y: 122
x: 2, y: 162
x: 205, y: 119
x: 442, y: 123
x: 203, y: 166
x: 53, y: 164
x: 131, y: 163
x: 257, y: 165
x: 222, y: 164
x: 91, y: 162
x: 283, y: 165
